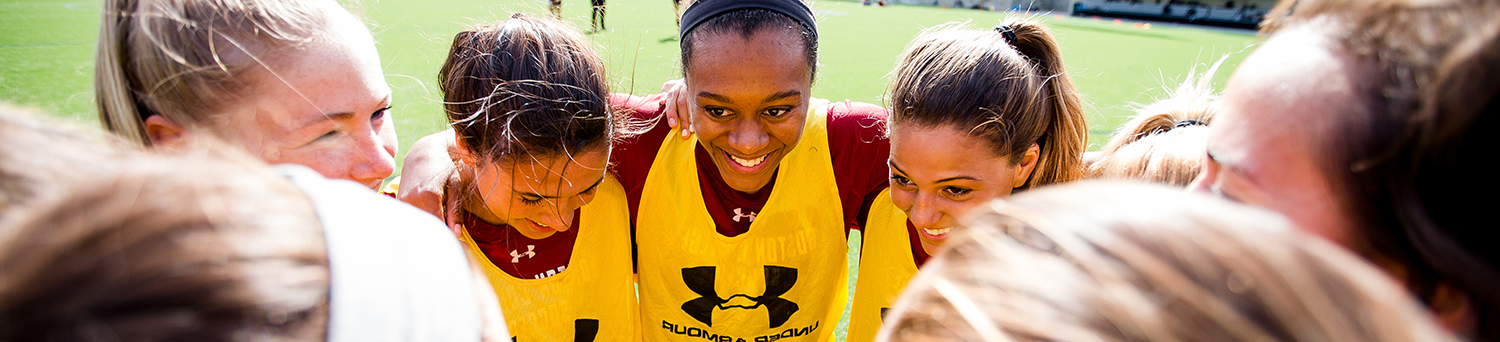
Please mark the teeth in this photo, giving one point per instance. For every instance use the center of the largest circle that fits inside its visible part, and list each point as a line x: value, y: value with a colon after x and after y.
x: 937, y: 231
x: 748, y: 162
x: 539, y: 224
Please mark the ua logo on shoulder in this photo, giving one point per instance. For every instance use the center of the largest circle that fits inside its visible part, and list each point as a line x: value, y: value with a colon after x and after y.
x: 779, y: 280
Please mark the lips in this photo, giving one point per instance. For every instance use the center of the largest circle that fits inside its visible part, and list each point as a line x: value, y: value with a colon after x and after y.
x: 747, y: 165
x: 540, y: 226
x: 935, y: 235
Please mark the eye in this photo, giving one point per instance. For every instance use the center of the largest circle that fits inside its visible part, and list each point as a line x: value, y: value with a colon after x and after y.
x: 324, y: 137
x: 379, y: 114
x: 531, y: 200
x: 716, y: 112
x: 957, y: 192
x: 901, y: 181
x: 777, y: 112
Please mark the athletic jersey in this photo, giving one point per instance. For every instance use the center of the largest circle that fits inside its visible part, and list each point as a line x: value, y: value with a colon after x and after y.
x: 594, y: 299
x: 518, y: 255
x: 783, y: 279
x: 856, y: 141
x: 884, y: 267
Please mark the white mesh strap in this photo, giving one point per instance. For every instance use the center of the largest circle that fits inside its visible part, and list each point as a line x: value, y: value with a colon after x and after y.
x: 396, y: 273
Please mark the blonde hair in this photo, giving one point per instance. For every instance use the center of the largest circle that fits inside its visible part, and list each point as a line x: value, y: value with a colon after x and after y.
x: 190, y: 247
x: 1108, y: 261
x: 1166, y: 140
x: 184, y: 59
x: 41, y: 157
x: 1008, y: 88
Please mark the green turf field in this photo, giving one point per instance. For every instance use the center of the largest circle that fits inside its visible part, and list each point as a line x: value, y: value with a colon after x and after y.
x: 47, y: 46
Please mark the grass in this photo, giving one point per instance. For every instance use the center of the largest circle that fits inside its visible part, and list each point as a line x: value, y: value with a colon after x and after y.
x: 46, y: 52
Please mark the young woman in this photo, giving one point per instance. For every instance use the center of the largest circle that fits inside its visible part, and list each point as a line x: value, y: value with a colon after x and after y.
x: 288, y: 81
x: 1102, y: 261
x: 741, y: 228
x: 1008, y: 118
x: 216, y: 246
x: 528, y: 101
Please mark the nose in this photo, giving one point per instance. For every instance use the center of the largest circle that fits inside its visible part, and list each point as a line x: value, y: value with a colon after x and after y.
x: 924, y: 212
x: 374, y: 157
x: 749, y: 135
x: 1202, y: 183
x: 558, y: 219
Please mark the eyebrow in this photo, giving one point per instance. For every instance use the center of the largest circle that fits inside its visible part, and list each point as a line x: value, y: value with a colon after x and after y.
x: 715, y: 97
x: 344, y: 115
x: 1232, y: 165
x: 590, y: 188
x: 773, y: 97
x: 949, y: 179
x: 782, y: 95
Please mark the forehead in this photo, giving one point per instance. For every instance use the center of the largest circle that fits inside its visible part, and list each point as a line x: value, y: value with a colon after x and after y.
x: 551, y: 175
x: 767, y: 58
x: 913, y: 147
x: 1282, y: 101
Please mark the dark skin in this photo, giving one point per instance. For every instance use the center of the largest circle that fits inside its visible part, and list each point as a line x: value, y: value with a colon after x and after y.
x: 747, y: 99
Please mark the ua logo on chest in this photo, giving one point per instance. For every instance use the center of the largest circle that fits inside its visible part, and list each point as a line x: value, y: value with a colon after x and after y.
x: 740, y: 213
x: 778, y: 279
x: 515, y: 255
x: 584, y: 330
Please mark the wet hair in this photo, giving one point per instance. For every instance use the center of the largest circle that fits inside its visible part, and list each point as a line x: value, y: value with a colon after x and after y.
x: 1011, y: 93
x: 746, y: 23
x: 1412, y: 158
x: 40, y: 157
x: 166, y: 249
x: 528, y: 87
x: 1165, y: 141
x: 184, y: 59
x: 1109, y: 261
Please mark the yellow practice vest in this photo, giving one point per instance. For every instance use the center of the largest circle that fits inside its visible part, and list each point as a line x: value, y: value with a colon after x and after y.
x: 594, y: 298
x: 885, y: 265
x: 783, y: 280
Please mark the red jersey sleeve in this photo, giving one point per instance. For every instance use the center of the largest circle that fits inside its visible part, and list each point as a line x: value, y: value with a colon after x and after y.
x: 858, y: 145
x: 631, y: 158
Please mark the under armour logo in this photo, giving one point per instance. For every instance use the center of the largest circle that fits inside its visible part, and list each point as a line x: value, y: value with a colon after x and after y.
x: 584, y: 330
x: 515, y: 256
x: 779, y: 280
x: 738, y: 215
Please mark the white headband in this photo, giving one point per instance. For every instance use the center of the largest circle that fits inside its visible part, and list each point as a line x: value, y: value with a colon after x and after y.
x: 395, y: 272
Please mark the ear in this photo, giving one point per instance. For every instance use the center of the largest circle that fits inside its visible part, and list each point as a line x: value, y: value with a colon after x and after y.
x: 1026, y: 165
x: 164, y: 133
x: 461, y: 152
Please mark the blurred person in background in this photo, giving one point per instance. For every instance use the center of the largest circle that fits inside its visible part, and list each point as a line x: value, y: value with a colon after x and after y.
x: 1108, y: 261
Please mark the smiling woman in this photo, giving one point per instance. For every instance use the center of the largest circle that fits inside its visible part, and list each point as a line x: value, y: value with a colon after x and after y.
x: 1007, y: 114
x: 289, y: 81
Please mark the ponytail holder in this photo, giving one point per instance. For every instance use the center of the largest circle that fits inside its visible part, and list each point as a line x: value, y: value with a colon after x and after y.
x: 1189, y: 122
x: 1007, y: 33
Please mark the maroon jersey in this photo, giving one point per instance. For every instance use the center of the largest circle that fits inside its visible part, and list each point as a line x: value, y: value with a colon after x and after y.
x: 518, y: 255
x: 856, y: 139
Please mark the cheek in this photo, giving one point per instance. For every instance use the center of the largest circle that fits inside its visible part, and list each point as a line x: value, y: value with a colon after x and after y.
x: 901, y: 198
x: 788, y: 132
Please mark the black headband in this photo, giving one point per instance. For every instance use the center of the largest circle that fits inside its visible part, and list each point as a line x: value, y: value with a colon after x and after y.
x: 701, y: 11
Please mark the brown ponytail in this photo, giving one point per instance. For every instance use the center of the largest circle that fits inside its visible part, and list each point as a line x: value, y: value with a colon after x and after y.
x: 1067, y: 135
x: 1006, y: 86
